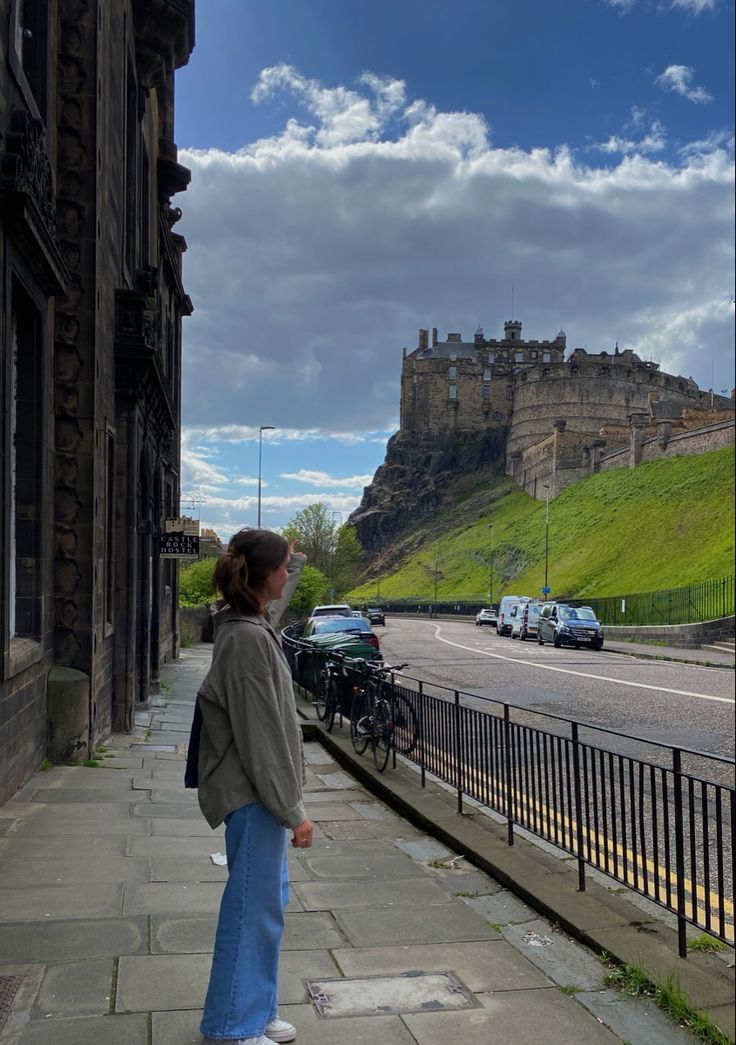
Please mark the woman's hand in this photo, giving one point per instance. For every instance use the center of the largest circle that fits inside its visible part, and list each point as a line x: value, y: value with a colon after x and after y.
x: 293, y: 551
x: 302, y: 835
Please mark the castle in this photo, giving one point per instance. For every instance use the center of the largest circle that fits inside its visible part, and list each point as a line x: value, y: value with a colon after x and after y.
x: 546, y: 420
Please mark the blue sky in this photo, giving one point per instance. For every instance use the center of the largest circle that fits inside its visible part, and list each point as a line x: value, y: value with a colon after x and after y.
x: 363, y: 169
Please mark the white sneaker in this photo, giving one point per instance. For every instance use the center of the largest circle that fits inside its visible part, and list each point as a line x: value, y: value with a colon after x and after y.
x: 259, y: 1040
x: 280, y: 1030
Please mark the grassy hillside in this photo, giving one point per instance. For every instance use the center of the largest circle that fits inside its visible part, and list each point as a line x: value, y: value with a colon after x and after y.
x: 660, y: 525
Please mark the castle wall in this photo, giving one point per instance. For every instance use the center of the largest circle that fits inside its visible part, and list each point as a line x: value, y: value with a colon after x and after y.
x: 588, y: 394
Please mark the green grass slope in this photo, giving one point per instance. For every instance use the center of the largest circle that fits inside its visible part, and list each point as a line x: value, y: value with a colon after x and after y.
x: 661, y: 525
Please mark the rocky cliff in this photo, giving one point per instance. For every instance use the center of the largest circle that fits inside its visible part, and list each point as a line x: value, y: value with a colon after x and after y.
x: 412, y: 481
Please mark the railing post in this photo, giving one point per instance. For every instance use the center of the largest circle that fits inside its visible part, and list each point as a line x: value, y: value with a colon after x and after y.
x: 507, y: 773
x: 578, y: 806
x: 458, y: 754
x: 420, y: 724
x: 679, y: 853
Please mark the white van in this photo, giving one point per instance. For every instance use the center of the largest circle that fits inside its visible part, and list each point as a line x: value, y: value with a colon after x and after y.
x: 505, y: 609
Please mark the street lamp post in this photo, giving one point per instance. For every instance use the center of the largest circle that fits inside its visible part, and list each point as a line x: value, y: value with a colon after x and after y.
x: 490, y: 571
x: 545, y: 590
x: 261, y: 430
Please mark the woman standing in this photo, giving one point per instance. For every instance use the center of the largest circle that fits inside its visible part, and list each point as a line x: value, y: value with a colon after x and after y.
x: 251, y: 773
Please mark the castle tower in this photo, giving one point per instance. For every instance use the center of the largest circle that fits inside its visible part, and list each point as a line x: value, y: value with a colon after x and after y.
x: 512, y: 330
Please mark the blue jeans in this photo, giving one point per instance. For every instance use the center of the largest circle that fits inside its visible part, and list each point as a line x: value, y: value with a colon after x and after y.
x: 243, y: 990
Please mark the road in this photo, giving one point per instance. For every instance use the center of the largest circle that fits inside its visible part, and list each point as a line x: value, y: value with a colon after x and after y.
x: 658, y: 701
x: 658, y: 704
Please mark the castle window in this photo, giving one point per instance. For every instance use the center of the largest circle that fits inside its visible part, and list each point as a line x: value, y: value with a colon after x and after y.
x: 546, y: 357
x: 452, y: 373
x: 453, y: 357
x: 490, y: 357
x: 509, y: 391
x: 486, y: 374
x: 496, y: 415
x: 486, y: 393
x: 452, y: 391
x: 534, y: 353
x: 518, y: 357
x: 29, y: 52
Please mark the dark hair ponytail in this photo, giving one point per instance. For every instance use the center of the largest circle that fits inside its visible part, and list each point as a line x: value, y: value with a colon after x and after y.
x: 242, y: 570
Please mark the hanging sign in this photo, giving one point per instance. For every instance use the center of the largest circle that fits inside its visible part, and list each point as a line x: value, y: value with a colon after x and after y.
x: 180, y: 539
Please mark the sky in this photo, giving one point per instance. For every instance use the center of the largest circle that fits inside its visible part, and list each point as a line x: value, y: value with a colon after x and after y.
x: 364, y: 168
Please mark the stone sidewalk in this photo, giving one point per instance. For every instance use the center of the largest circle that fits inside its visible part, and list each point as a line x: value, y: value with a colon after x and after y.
x: 109, y: 894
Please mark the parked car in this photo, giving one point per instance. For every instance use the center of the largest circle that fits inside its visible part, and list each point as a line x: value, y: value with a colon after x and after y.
x: 488, y: 616
x: 338, y: 609
x: 525, y: 620
x: 504, y: 612
x: 376, y: 615
x: 563, y: 624
x: 320, y: 625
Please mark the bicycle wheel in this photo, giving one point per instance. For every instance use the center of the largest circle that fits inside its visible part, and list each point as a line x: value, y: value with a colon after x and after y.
x: 332, y: 703
x: 320, y: 696
x: 360, y: 721
x: 406, y: 725
x: 383, y: 731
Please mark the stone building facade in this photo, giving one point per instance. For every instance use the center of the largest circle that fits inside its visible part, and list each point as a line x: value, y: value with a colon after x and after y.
x: 92, y: 302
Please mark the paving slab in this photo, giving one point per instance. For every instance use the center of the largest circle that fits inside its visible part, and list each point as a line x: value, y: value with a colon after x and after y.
x: 196, y: 826
x: 372, y: 810
x: 442, y: 923
x: 161, y: 795
x: 296, y: 966
x: 61, y: 901
x: 81, y: 938
x: 72, y: 822
x: 88, y: 846
x: 400, y: 893
x: 501, y: 908
x: 162, y: 981
x: 112, y: 1030
x: 315, y: 755
x: 183, y: 935
x: 183, y: 847
x: 492, y: 965
x: 93, y: 796
x: 393, y: 865
x: 633, y: 1019
x: 512, y: 1016
x: 193, y: 869
x: 76, y: 779
x: 312, y: 798
x: 172, y: 898
x: 361, y: 828
x: 74, y: 988
x: 564, y: 961
x: 361, y: 847
x: 338, y: 780
x: 168, y: 810
x: 469, y: 884
x: 20, y: 873
x: 332, y: 811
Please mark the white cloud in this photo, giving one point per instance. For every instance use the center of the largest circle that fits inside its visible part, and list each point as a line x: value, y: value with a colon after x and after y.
x: 695, y: 7
x: 654, y: 141
x: 678, y: 78
x: 326, y: 480
x: 316, y: 254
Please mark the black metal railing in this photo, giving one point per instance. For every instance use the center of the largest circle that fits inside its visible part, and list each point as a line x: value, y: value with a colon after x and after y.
x: 659, y: 819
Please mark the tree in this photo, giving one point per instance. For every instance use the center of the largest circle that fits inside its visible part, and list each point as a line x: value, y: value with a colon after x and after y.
x: 315, y: 531
x: 346, y: 566
x: 195, y: 583
x: 310, y: 591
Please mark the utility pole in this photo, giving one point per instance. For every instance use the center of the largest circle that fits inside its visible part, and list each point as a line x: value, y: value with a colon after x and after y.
x: 545, y: 589
x: 490, y: 571
x: 436, y: 575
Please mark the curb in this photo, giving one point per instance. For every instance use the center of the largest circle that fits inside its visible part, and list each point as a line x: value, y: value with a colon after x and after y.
x: 673, y: 660
x: 604, y: 921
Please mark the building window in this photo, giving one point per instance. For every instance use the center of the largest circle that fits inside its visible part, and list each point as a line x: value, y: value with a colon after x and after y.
x: 496, y: 415
x: 25, y: 473
x: 486, y: 393
x: 534, y: 353
x: 509, y: 391
x: 486, y: 374
x: 452, y: 373
x: 452, y: 392
x: 490, y: 358
x: 546, y: 357
x: 29, y: 52
x: 109, y: 527
x: 453, y: 357
x: 519, y: 357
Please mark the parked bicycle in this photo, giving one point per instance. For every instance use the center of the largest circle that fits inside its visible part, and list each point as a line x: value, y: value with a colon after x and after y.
x: 327, y: 693
x: 380, y: 716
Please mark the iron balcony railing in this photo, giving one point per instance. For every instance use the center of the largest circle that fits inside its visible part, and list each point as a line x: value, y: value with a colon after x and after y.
x: 707, y: 600
x: 659, y: 819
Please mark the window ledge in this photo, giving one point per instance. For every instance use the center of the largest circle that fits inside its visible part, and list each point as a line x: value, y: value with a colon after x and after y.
x: 23, y: 653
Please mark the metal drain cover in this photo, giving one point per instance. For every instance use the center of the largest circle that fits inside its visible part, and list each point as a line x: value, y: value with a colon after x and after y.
x: 153, y: 747
x: 390, y: 995
x: 8, y: 989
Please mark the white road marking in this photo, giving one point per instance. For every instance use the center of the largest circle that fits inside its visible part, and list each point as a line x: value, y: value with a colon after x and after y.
x: 582, y: 674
